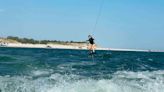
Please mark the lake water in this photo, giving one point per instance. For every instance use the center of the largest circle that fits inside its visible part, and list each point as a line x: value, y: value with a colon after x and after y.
x: 58, y: 70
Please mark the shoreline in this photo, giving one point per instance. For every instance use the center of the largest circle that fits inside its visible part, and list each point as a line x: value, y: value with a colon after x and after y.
x: 59, y: 46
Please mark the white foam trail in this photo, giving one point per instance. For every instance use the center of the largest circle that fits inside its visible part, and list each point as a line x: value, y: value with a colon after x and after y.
x: 41, y: 72
x: 121, y: 81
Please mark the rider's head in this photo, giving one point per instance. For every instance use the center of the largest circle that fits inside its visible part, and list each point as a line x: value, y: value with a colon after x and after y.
x: 89, y: 36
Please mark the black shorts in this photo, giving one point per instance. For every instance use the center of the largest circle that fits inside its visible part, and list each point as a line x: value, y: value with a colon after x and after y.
x: 92, y: 43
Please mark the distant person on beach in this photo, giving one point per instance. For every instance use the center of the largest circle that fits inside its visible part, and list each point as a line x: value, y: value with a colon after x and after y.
x: 91, y: 45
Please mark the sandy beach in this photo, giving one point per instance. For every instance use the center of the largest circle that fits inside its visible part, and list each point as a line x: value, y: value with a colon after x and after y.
x: 77, y: 46
x: 59, y: 46
x: 17, y: 45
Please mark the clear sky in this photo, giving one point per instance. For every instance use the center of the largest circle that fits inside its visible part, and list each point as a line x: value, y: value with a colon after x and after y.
x: 122, y: 24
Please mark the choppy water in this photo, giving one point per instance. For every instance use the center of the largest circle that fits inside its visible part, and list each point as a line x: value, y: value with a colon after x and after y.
x: 47, y: 70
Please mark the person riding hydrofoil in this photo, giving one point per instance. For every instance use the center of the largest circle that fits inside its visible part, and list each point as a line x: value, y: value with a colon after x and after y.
x: 91, y: 45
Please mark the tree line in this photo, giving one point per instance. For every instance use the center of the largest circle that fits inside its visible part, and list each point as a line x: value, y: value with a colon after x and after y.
x: 33, y: 41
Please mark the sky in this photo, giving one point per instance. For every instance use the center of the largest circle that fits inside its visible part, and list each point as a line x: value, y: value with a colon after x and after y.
x: 135, y: 24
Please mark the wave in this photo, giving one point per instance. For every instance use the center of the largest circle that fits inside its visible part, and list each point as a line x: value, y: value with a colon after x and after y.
x: 121, y: 81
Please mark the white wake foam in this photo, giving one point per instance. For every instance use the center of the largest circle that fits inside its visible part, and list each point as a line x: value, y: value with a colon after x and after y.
x: 121, y: 81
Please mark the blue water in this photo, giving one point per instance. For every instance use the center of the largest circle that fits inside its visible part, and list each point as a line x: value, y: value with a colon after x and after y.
x: 57, y: 70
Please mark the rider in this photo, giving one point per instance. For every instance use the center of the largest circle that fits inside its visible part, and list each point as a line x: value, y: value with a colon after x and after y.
x: 91, y: 46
